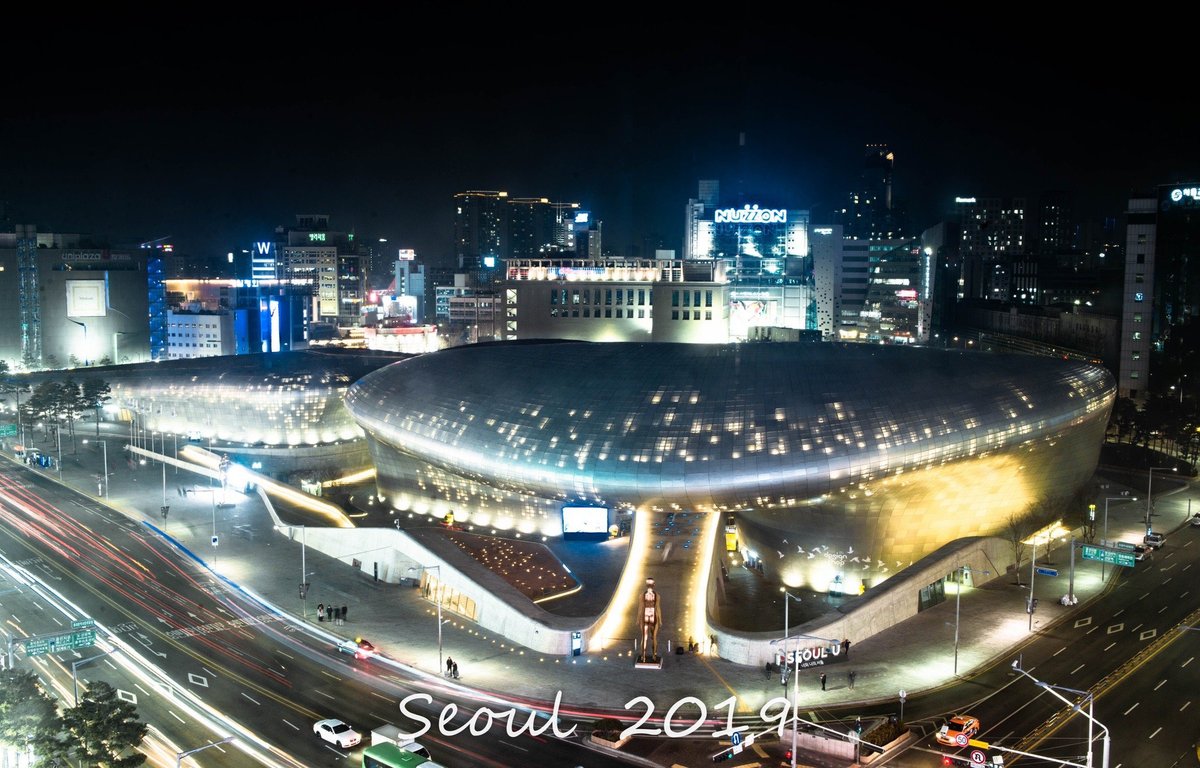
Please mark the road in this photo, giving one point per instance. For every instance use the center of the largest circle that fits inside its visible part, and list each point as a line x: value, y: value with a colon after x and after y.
x: 273, y: 675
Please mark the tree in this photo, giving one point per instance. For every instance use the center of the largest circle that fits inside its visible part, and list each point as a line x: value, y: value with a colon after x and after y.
x: 95, y: 393
x: 29, y: 718
x: 103, y: 728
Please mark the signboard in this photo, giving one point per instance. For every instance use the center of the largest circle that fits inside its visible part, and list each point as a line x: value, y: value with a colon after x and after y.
x: 86, y: 298
x: 812, y: 657
x: 40, y: 646
x: 1125, y: 545
x: 1108, y: 556
x: 1181, y: 196
x: 407, y: 254
x: 750, y: 214
x: 8, y: 430
x: 584, y: 522
x: 83, y: 624
x: 1047, y: 571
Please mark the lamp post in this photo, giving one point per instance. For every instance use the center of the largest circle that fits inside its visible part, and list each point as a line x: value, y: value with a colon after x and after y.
x: 787, y: 596
x: 76, y: 664
x: 796, y: 678
x: 1149, y: 497
x: 1106, y: 500
x: 82, y: 325
x: 104, y: 445
x: 903, y: 696
x: 438, y: 598
x: 1016, y: 665
x: 963, y: 570
x: 179, y: 756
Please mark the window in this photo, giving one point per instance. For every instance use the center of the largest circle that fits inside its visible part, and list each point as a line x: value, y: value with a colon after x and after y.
x: 1139, y: 278
x: 619, y: 296
x: 1137, y: 317
x: 697, y: 294
x: 575, y: 299
x: 708, y: 298
x: 708, y: 314
x: 608, y: 296
x: 1141, y: 258
x: 641, y: 313
x: 641, y: 297
x: 1139, y: 296
x: 608, y: 311
x: 675, y: 301
x: 687, y: 298
x: 629, y: 297
x: 1137, y: 335
x: 674, y: 314
x: 1133, y: 374
x: 687, y: 315
x: 1137, y: 354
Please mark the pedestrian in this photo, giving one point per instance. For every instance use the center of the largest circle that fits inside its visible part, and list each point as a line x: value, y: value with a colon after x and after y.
x: 822, y: 681
x: 851, y: 676
x: 320, y: 611
x: 343, y: 614
x: 455, y: 670
x: 449, y: 666
x: 846, y: 647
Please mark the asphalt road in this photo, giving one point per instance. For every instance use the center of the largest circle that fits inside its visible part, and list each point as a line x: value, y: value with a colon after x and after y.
x: 253, y: 666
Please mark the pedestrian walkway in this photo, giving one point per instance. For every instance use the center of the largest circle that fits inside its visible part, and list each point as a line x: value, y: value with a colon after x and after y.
x: 916, y: 655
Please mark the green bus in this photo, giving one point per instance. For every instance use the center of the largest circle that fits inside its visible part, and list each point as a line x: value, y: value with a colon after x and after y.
x: 391, y: 756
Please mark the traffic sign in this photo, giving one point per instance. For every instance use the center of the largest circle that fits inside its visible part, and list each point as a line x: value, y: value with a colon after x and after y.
x: 1110, y: 556
x: 978, y: 759
x: 83, y: 623
x: 1125, y: 545
x: 1047, y: 571
x: 8, y: 430
x: 69, y: 641
x: 961, y: 739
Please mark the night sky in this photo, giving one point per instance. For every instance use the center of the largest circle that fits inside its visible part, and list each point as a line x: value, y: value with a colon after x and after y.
x: 215, y: 141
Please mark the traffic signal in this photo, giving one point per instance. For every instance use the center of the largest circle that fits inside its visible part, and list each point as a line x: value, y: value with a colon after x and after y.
x: 723, y: 755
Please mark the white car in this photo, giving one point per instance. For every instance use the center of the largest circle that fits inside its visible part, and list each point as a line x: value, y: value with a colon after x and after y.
x: 336, y: 732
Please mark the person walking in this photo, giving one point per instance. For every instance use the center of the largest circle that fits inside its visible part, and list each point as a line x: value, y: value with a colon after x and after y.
x: 455, y: 670
x: 851, y: 677
x: 449, y: 666
x: 343, y: 614
x: 320, y: 611
x: 822, y: 681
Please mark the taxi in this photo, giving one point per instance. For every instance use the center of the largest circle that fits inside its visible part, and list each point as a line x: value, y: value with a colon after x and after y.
x: 957, y: 732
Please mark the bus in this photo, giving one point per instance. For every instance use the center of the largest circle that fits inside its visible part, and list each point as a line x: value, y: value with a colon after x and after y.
x: 391, y: 756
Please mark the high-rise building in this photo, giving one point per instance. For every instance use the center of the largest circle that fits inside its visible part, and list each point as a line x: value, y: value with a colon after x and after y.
x: 871, y: 212
x: 330, y: 260
x: 1162, y: 283
x: 992, y: 232
x: 1056, y: 228
x: 479, y: 225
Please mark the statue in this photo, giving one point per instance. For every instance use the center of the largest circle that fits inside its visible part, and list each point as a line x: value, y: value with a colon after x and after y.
x: 651, y: 620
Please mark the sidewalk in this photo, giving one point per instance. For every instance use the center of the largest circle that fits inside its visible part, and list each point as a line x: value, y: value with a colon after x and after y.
x: 917, y: 655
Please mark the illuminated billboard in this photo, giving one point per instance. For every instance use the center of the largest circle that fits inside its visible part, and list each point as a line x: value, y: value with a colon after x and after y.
x: 584, y: 522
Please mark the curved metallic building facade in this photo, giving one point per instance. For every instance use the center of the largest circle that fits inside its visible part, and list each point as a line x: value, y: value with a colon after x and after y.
x: 844, y: 462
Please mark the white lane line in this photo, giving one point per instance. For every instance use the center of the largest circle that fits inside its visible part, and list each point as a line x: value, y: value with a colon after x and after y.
x: 244, y: 694
x: 326, y: 695
x: 1135, y: 629
x: 1189, y: 661
x: 1093, y: 629
x: 1166, y: 582
x: 1060, y: 650
x: 56, y: 621
x: 1110, y: 645
x: 1118, y: 613
x: 110, y: 664
x: 294, y: 726
x: 177, y: 717
x: 140, y: 688
x: 1185, y: 705
x: 209, y: 671
x: 334, y: 751
x: 281, y: 653
x: 1185, y: 594
x: 331, y: 677
x: 1126, y: 712
x: 1081, y: 666
x: 381, y: 696
x: 514, y: 746
x: 1156, y: 730
x: 1160, y: 685
x: 1160, y: 610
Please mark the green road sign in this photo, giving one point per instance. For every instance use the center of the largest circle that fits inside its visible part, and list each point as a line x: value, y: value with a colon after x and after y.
x: 1109, y: 556
x: 68, y: 641
x: 83, y: 624
x: 8, y: 430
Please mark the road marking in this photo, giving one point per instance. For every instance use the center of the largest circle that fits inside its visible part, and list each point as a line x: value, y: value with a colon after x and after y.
x: 197, y: 680
x: 127, y: 696
x: 1156, y: 730
x: 1185, y: 705
x: 1118, y: 613
x: 1189, y: 661
x: 1189, y: 565
x: 1166, y: 582
x: 1185, y: 594
x: 294, y: 726
x: 1081, y: 666
x: 1110, y: 645
x: 1169, y: 567
x: 1113, y: 628
x: 1131, y: 708
x: 140, y: 688
x: 209, y: 671
x: 1135, y: 629
x: 1060, y: 650
x: 334, y: 677
x: 331, y: 749
x: 1160, y: 610
x: 1160, y: 685
x: 251, y: 699
x: 281, y: 653
x: 380, y: 695
x: 177, y: 717
x: 56, y: 621
x: 326, y: 695
x: 1083, y: 622
x: 1093, y: 629
x: 514, y: 746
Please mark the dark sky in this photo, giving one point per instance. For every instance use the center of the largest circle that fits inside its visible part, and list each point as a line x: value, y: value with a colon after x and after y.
x: 215, y: 140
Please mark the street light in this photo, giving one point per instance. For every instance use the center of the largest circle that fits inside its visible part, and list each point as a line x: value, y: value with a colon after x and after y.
x: 437, y: 568
x: 179, y: 756
x: 104, y: 445
x: 963, y: 570
x: 903, y: 696
x: 1149, y: 498
x: 796, y: 677
x: 1016, y: 665
x: 1106, y: 500
x: 76, y: 664
x: 787, y: 596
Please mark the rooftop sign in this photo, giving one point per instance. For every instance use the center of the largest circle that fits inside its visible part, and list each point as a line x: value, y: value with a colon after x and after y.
x: 750, y: 214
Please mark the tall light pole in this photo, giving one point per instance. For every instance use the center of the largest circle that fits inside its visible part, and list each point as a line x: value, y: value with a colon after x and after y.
x: 788, y: 596
x: 1016, y: 665
x: 796, y: 679
x: 104, y: 445
x: 179, y: 756
x: 438, y: 598
x: 1106, y: 500
x: 76, y: 664
x: 1149, y: 498
x: 963, y: 570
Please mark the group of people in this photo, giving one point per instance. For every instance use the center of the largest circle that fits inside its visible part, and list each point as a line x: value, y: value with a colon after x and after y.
x: 850, y: 677
x: 451, y: 668
x: 333, y: 613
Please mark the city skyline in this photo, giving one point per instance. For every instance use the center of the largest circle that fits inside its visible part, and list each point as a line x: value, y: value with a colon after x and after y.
x: 216, y: 156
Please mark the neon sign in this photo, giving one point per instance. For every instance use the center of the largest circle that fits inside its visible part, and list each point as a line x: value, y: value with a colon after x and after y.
x: 316, y: 237
x: 1192, y: 192
x: 969, y: 200
x: 750, y: 214
x: 264, y: 249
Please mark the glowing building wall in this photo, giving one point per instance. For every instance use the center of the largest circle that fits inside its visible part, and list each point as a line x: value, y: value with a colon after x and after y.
x: 847, y: 451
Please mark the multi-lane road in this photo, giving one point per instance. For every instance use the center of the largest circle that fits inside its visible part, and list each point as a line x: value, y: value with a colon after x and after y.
x: 204, y: 660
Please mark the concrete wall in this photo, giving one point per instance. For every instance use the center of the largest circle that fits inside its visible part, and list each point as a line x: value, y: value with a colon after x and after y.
x: 882, y: 607
x: 501, y: 608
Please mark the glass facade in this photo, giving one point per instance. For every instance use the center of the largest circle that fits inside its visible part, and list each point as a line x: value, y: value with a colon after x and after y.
x: 882, y: 453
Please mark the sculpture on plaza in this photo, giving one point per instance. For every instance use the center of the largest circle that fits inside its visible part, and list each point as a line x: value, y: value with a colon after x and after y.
x: 650, y: 616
